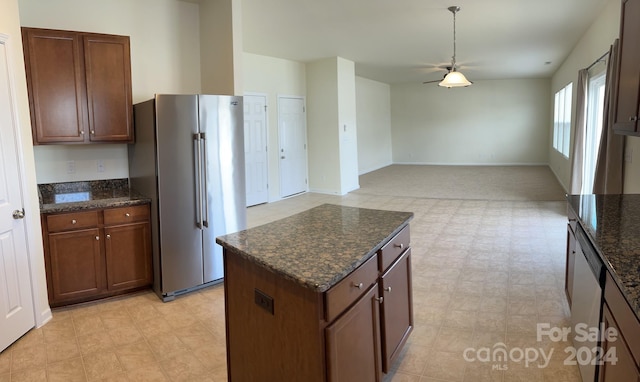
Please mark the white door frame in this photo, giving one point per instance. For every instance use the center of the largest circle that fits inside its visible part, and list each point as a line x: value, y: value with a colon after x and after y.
x: 266, y: 126
x: 33, y: 228
x: 280, y: 134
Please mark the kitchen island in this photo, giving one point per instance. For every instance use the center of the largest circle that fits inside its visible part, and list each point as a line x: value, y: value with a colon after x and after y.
x: 323, y: 295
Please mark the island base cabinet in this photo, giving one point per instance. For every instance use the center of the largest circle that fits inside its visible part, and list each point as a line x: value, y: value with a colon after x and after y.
x: 284, y: 343
x: 396, y: 309
x: 353, y: 342
x: 75, y: 264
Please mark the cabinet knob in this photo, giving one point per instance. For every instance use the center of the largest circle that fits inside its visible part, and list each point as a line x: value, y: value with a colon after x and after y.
x: 633, y: 119
x: 93, y: 132
x: 108, y: 236
x: 97, y: 237
x: 73, y: 221
x: 81, y: 132
x: 380, y: 299
x: 401, y: 245
x: 387, y: 289
x: 127, y: 214
x: 357, y: 285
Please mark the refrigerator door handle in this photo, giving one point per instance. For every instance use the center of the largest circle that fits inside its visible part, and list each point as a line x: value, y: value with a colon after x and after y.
x: 198, y: 186
x: 205, y: 191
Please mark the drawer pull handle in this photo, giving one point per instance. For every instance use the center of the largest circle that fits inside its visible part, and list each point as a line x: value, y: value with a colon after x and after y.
x: 358, y: 285
x: 97, y: 237
x: 380, y: 299
x: 401, y: 245
x: 108, y: 236
x: 387, y: 289
x: 73, y: 221
x: 127, y: 214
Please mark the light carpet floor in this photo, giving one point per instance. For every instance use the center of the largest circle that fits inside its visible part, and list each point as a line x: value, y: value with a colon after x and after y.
x: 463, y: 182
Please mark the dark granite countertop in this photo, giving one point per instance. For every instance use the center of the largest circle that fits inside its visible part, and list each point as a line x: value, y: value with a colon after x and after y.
x: 77, y: 196
x: 612, y: 222
x: 318, y: 247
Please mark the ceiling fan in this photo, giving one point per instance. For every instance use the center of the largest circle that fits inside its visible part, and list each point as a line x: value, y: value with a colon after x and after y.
x: 453, y: 78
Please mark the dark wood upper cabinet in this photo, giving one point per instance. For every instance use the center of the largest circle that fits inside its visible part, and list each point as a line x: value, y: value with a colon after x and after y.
x: 79, y: 86
x: 628, y: 82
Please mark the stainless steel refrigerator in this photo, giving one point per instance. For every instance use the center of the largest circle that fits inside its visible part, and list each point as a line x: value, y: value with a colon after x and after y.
x: 188, y: 156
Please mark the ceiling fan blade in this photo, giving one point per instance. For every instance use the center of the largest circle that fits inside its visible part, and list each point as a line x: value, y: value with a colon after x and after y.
x: 431, y: 82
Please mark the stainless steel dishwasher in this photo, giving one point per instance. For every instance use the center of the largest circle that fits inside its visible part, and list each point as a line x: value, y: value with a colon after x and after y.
x: 586, y: 305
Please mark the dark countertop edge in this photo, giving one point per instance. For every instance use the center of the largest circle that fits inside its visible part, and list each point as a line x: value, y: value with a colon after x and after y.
x: 614, y: 275
x: 319, y: 288
x: 93, y: 204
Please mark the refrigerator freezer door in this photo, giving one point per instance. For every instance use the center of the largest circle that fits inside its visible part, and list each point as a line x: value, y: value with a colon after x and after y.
x: 221, y: 121
x: 180, y: 238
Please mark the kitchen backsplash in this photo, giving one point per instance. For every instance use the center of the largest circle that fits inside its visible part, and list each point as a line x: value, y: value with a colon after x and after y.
x: 73, y: 163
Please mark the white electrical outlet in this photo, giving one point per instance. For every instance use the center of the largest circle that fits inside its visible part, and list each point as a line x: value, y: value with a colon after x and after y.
x: 71, y: 167
x: 100, y: 165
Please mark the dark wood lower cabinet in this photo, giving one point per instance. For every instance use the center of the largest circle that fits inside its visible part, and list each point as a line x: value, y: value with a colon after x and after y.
x: 621, y: 352
x: 76, y: 264
x: 353, y: 342
x: 624, y: 368
x: 97, y: 253
x: 128, y: 250
x: 397, y: 308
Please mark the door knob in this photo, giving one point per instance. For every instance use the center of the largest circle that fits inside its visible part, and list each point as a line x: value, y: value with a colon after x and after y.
x: 18, y: 214
x: 282, y: 157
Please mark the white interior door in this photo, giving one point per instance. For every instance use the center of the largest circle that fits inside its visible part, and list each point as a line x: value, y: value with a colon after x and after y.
x: 292, y: 129
x: 16, y: 300
x: 255, y: 149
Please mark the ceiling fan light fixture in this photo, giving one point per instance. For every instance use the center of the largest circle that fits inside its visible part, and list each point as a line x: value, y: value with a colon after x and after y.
x: 454, y: 80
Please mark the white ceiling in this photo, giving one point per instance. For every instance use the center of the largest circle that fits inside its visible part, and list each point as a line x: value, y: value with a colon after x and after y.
x: 397, y: 41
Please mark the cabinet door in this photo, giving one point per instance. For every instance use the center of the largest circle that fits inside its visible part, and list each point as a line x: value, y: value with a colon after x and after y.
x: 128, y: 256
x: 108, y: 76
x: 397, y: 308
x: 625, y: 368
x: 628, y: 82
x: 571, y: 258
x: 55, y: 78
x: 77, y: 269
x: 353, y: 342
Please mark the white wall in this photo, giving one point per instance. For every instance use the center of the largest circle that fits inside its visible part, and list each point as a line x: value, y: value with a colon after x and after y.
x: 322, y: 126
x: 347, y: 126
x: 373, y: 113
x: 165, y: 58
x: 500, y: 122
x: 593, y: 44
x: 10, y: 25
x: 273, y: 77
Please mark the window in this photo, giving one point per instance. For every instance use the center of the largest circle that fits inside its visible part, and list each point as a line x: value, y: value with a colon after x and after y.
x: 593, y: 130
x: 562, y: 120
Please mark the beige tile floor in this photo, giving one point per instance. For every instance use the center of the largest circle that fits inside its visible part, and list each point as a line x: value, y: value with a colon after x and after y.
x: 484, y: 274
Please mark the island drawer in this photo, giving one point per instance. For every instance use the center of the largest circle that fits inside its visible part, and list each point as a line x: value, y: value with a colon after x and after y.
x: 124, y: 215
x: 72, y: 221
x: 349, y: 289
x: 394, y: 248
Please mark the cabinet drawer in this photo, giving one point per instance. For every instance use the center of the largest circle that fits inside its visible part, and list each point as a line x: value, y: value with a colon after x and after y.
x: 624, y: 316
x: 349, y: 289
x: 72, y: 221
x: 123, y: 215
x: 394, y: 248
